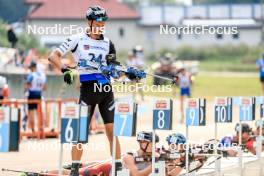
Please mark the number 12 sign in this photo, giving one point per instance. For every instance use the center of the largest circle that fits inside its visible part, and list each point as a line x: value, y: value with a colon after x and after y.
x: 162, y: 115
x: 195, y: 112
x: 125, y: 118
x: 223, y: 109
x: 260, y: 101
x: 247, y: 109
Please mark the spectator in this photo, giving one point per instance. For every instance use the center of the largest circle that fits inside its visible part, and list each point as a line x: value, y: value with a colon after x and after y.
x: 36, y: 83
x: 260, y: 65
x: 184, y: 81
x: 4, y: 91
x: 11, y: 36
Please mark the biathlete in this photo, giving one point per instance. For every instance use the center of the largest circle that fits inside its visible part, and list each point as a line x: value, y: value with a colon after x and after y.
x: 184, y: 81
x: 87, y: 48
x: 139, y: 162
x: 260, y: 66
x: 248, y: 140
x: 132, y: 160
x: 35, y: 85
x: 4, y: 90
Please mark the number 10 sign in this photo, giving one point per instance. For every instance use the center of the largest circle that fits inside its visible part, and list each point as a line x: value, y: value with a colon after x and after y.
x: 162, y: 115
x: 223, y: 109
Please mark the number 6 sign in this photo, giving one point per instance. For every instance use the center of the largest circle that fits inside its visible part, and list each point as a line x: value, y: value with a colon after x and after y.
x: 69, y: 122
x: 247, y: 109
x: 195, y: 112
x: 125, y: 118
x: 4, y: 128
x: 9, y: 129
x: 162, y: 115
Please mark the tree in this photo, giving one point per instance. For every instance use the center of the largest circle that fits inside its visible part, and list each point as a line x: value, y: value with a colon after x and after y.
x: 13, y: 10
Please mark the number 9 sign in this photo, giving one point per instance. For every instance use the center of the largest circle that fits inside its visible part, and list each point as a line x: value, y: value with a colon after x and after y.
x: 69, y: 122
x: 125, y: 118
x: 162, y: 115
x: 247, y: 109
x: 195, y: 112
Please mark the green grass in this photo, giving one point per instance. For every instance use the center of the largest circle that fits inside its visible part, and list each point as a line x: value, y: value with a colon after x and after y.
x: 209, y: 86
x: 212, y: 86
x: 228, y: 65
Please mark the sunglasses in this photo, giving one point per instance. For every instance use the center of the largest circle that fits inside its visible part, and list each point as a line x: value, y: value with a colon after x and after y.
x: 101, y: 19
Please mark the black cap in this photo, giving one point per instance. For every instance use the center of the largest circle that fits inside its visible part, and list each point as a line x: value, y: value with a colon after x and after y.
x: 147, y: 136
x: 245, y: 128
x: 33, y: 64
x: 96, y: 13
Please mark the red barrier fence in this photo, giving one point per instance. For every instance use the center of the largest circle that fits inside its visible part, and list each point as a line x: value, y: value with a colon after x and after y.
x: 47, y: 116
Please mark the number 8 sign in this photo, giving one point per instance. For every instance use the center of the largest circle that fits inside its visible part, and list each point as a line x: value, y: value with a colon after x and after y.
x: 195, y: 112
x: 125, y: 119
x: 69, y: 122
x: 162, y: 115
x: 247, y: 109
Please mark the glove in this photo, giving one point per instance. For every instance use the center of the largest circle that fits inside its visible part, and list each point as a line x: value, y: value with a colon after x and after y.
x: 68, y: 76
x: 175, y: 80
x: 133, y: 73
x: 111, y: 59
x: 105, y: 70
x: 131, y: 76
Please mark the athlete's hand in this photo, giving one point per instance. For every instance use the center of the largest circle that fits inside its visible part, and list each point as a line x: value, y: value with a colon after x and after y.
x: 175, y: 80
x: 105, y: 70
x: 131, y: 76
x: 68, y: 75
x: 134, y: 74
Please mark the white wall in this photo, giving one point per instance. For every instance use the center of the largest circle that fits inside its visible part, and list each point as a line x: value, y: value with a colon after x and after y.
x: 150, y: 37
x: 112, y: 31
x: 154, y: 14
x: 250, y: 37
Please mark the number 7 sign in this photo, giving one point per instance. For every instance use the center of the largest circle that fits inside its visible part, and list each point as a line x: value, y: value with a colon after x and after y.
x: 125, y: 119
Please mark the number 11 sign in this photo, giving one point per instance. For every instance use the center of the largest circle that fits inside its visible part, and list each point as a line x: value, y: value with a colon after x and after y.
x: 247, y: 109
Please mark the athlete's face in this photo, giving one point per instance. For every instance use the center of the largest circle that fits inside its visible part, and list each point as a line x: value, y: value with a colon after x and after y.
x: 176, y: 147
x: 258, y: 131
x: 146, y: 145
x: 245, y: 136
x: 98, y: 28
x: 32, y: 69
